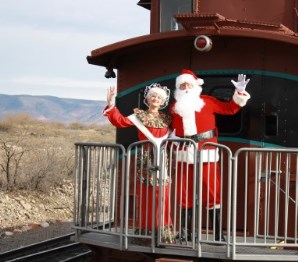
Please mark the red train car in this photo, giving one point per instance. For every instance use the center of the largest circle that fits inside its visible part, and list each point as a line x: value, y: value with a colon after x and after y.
x: 218, y: 40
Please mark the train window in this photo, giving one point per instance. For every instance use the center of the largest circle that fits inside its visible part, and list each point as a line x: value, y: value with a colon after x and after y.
x: 223, y: 93
x: 168, y: 10
x: 271, y: 125
x: 227, y: 124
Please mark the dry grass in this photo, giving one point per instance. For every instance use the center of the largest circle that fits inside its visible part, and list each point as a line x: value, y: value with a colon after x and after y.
x: 38, y: 155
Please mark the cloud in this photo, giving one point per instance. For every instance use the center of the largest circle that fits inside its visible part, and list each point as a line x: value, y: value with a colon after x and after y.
x: 111, y: 19
x: 60, y: 82
x: 44, y: 44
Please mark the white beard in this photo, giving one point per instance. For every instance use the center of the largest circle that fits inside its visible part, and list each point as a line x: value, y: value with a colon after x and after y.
x: 187, y: 103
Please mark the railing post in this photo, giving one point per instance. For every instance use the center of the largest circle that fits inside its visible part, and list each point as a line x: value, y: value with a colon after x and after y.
x: 84, y: 186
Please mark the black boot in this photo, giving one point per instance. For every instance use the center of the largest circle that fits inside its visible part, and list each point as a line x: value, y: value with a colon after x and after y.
x: 186, y: 223
x: 218, y: 230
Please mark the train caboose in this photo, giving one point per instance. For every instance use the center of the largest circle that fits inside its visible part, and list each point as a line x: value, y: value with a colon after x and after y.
x: 258, y: 146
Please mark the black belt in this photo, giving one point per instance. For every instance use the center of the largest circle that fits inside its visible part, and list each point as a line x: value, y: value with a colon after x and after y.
x: 202, y: 136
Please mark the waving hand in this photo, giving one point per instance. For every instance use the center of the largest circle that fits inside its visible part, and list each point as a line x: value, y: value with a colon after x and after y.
x: 241, y: 83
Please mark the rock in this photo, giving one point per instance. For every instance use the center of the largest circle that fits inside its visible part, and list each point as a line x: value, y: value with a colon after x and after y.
x: 8, y: 233
x: 19, y: 208
x: 25, y: 228
x: 45, y: 224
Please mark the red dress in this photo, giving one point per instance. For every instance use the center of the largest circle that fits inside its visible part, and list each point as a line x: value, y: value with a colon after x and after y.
x: 205, y: 120
x: 157, y: 124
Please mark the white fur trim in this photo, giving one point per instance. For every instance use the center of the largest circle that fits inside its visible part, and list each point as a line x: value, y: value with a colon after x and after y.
x: 207, y: 155
x: 189, y: 125
x: 214, y: 207
x: 200, y: 81
x: 187, y: 78
x: 242, y: 98
x: 156, y: 140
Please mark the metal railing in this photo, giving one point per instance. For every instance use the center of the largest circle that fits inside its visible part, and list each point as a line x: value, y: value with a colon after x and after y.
x: 99, y: 187
x: 269, y: 206
x: 238, y: 206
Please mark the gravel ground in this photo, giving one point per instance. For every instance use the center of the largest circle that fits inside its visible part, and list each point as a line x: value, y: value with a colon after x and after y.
x: 35, y: 234
x: 28, y: 217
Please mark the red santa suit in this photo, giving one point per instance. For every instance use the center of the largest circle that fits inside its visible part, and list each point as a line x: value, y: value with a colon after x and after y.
x: 157, y: 125
x: 202, y: 121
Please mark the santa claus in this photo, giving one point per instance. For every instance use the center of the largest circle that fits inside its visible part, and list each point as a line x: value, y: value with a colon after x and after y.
x: 194, y: 117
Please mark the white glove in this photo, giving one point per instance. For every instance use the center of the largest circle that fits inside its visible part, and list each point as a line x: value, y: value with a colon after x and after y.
x: 111, y: 95
x: 173, y: 135
x: 241, y: 83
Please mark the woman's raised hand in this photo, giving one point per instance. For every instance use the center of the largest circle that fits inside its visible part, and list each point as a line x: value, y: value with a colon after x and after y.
x: 111, y: 95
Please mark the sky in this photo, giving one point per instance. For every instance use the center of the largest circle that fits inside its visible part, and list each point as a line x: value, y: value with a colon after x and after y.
x: 44, y: 44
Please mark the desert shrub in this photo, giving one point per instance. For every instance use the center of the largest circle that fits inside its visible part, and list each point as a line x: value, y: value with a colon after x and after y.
x: 5, y: 126
x: 15, y: 120
x: 20, y: 119
x: 56, y: 125
x: 77, y: 126
x: 52, y: 166
x: 48, y: 150
x: 11, y: 155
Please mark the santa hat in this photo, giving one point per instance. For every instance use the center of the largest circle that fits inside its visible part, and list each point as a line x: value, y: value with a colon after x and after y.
x: 188, y: 76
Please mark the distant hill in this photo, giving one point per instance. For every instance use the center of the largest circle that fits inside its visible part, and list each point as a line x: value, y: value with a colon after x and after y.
x: 51, y: 108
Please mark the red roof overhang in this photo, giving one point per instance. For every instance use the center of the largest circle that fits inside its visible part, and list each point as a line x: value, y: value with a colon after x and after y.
x: 108, y: 56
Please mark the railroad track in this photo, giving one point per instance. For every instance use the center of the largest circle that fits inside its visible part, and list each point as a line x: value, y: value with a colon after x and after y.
x: 56, y: 249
